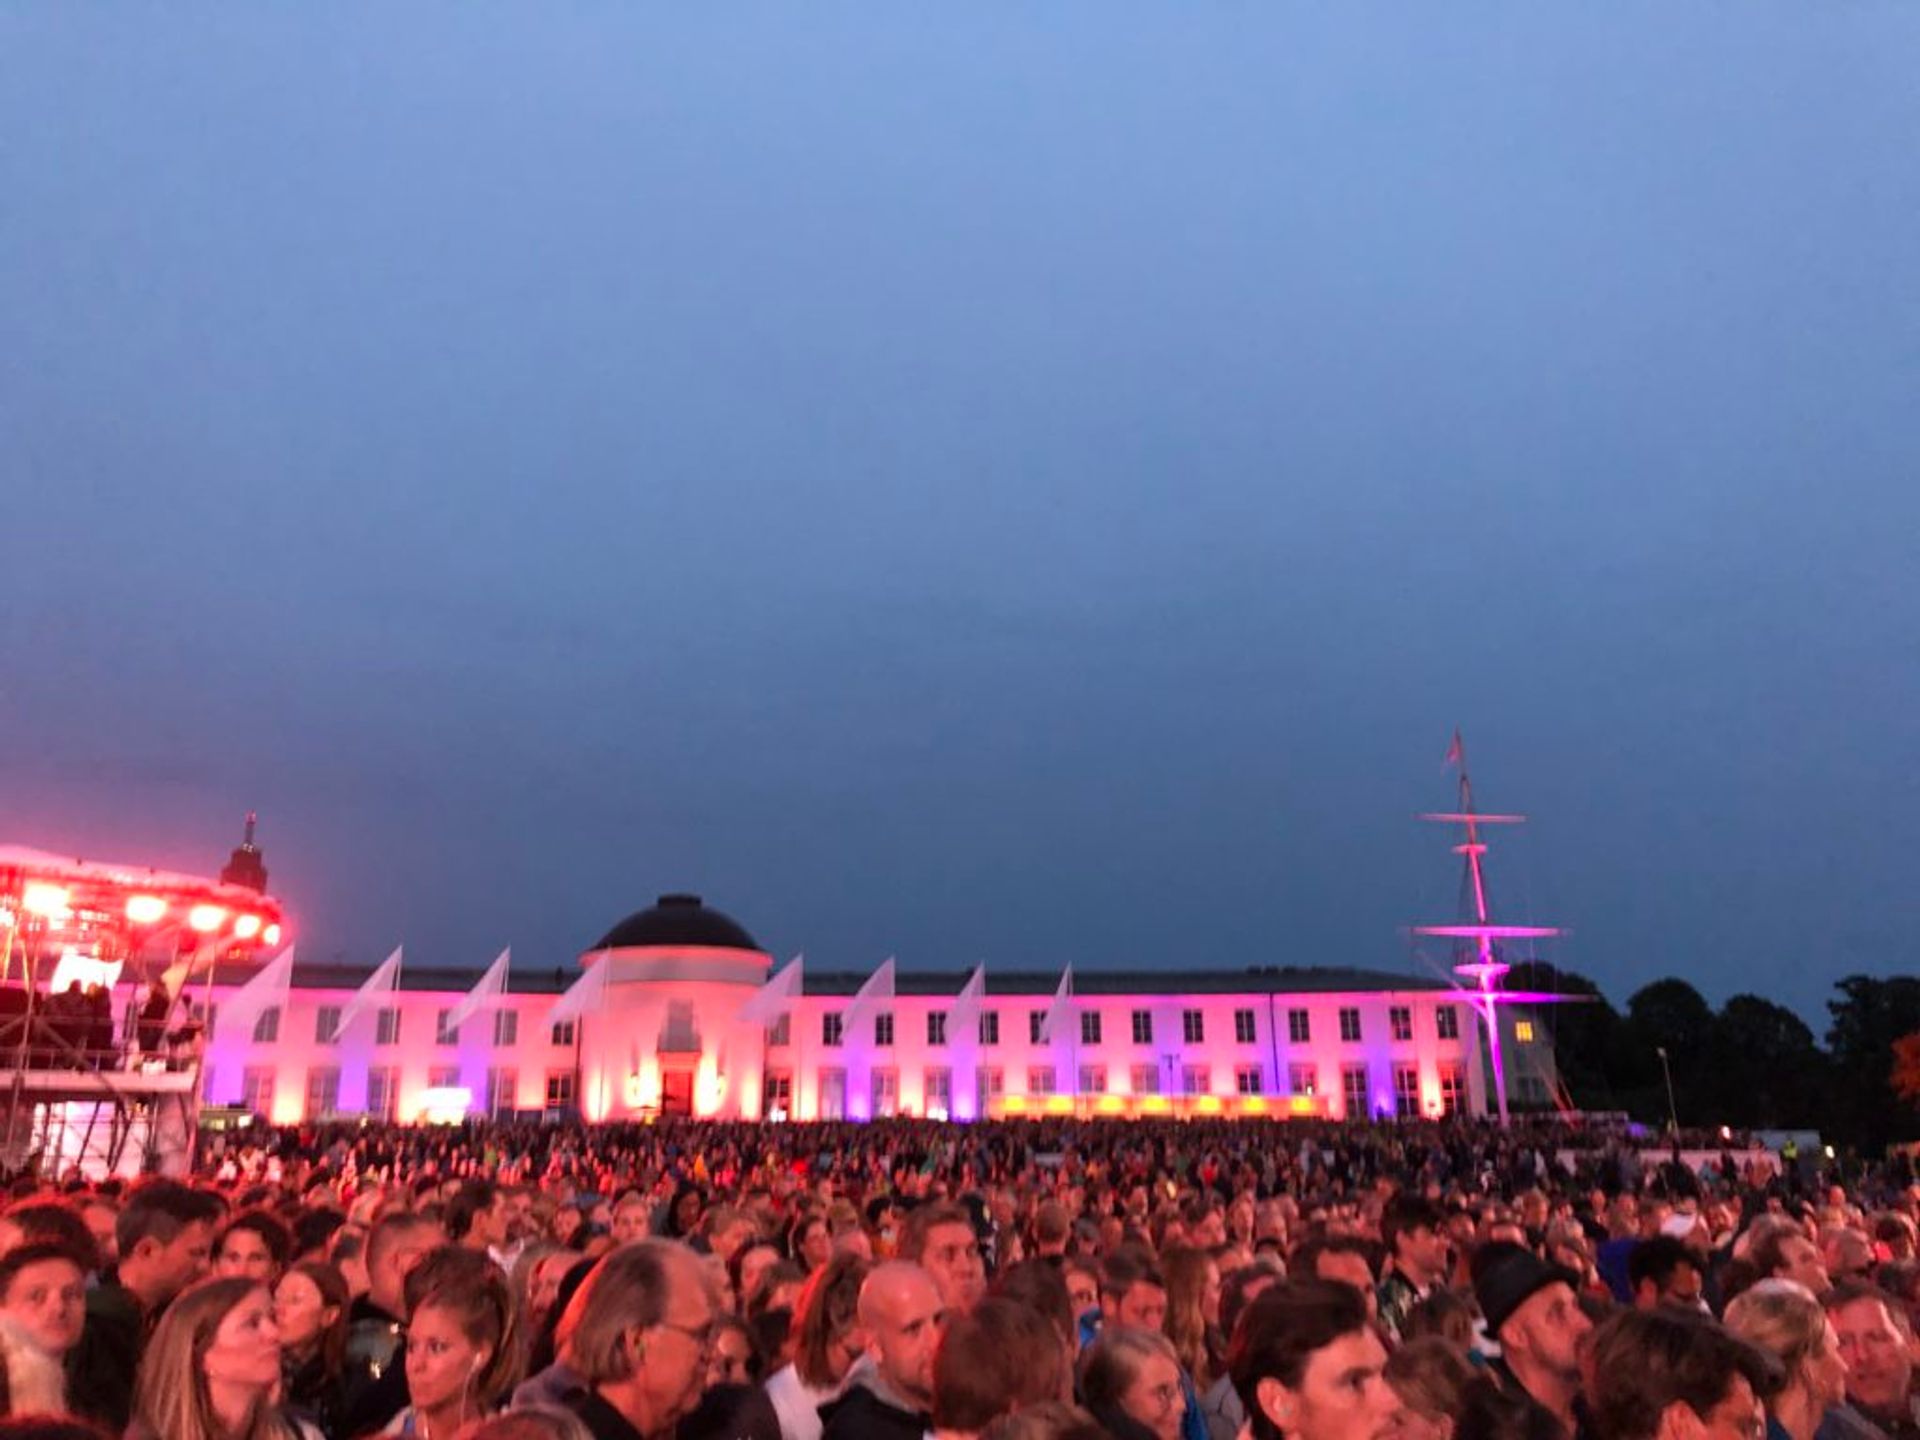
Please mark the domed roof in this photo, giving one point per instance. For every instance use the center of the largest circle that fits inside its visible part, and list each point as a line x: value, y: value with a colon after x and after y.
x: 678, y: 922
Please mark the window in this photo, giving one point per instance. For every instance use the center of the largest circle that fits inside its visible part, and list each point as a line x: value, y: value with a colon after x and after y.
x: 780, y: 1033
x: 937, y: 1093
x: 1090, y: 1028
x: 989, y: 1084
x: 256, y: 1087
x: 1196, y: 1080
x: 506, y: 1028
x: 1453, y: 1090
x: 886, y: 1092
x: 830, y: 1029
x: 1446, y: 1022
x: 989, y: 1027
x: 323, y: 1091
x: 559, y: 1089
x: 1193, y: 1027
x: 266, y: 1029
x: 1522, y: 1030
x: 1093, y: 1079
x: 1349, y: 1023
x: 1040, y: 1079
x: 883, y: 1031
x: 1036, y: 1027
x: 1145, y: 1079
x: 1299, y: 1029
x: 386, y: 1030
x: 833, y: 1094
x: 503, y: 1089
x: 1354, y: 1090
x: 443, y: 1077
x: 936, y: 1027
x: 383, y: 1091
x: 1400, y: 1021
x: 1243, y: 1032
x: 1143, y: 1027
x: 1406, y: 1091
x: 1303, y: 1080
x: 443, y: 1033
x: 1246, y: 1079
x: 326, y: 1026
x: 777, y: 1095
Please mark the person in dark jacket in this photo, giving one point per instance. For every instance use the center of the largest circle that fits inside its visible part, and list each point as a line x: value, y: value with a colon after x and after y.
x: 891, y: 1397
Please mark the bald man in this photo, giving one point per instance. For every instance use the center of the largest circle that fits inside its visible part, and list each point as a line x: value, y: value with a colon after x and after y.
x: 892, y: 1394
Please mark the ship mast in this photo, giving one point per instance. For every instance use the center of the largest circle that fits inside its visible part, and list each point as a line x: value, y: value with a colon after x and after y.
x: 1477, y: 958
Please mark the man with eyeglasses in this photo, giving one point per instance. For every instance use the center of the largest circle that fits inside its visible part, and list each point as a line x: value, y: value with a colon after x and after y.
x: 1672, y: 1374
x: 641, y: 1325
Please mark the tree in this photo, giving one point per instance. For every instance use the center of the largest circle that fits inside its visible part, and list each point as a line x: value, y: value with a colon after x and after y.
x: 1763, y: 1065
x: 1906, y: 1067
x: 1870, y: 1015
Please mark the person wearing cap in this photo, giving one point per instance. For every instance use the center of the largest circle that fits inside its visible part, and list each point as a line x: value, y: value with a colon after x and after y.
x: 1533, y: 1310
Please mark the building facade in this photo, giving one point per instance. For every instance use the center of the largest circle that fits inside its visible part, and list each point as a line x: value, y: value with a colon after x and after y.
x: 663, y: 1033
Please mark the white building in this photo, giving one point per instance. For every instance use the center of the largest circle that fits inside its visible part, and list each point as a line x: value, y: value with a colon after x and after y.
x: 665, y: 1036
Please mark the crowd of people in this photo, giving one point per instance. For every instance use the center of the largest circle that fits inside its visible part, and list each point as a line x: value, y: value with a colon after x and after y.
x: 1020, y: 1280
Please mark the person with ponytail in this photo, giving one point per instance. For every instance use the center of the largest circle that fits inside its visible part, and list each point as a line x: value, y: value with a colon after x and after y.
x: 463, y: 1348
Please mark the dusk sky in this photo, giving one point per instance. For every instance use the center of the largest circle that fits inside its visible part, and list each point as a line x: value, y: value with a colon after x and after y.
x: 1024, y: 483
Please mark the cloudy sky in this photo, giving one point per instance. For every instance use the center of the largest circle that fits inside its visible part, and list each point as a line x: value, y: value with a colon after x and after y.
x: 1020, y: 483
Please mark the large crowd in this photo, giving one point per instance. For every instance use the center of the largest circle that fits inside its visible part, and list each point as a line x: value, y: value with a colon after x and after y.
x: 1030, y: 1280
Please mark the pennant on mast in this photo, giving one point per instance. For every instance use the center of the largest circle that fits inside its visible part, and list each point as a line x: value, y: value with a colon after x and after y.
x: 776, y: 997
x: 384, y: 981
x: 260, y: 994
x: 1061, y: 1008
x: 492, y: 983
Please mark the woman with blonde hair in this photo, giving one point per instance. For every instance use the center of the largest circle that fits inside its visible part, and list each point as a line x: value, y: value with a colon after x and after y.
x: 1193, y: 1314
x: 827, y: 1342
x: 1782, y: 1318
x: 463, y: 1349
x: 211, y: 1369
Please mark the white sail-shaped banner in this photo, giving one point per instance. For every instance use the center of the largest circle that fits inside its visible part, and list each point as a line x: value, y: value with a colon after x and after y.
x: 494, y: 982
x: 964, y: 1018
x: 879, y: 987
x: 383, y: 982
x: 589, y: 990
x: 776, y: 997
x: 260, y: 994
x: 1059, y: 1012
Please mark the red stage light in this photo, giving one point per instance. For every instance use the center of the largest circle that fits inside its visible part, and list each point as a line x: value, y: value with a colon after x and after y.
x: 47, y: 901
x: 206, y: 918
x: 145, y: 909
x: 246, y: 927
x: 270, y: 935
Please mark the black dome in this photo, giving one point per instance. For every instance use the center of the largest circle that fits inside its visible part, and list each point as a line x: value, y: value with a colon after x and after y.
x: 678, y: 921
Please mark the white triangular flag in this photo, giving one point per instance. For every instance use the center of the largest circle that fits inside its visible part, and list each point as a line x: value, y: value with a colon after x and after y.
x: 964, y: 1019
x: 588, y: 990
x: 1061, y: 1008
x: 879, y: 987
x: 384, y: 981
x: 260, y: 994
x: 773, y: 999
x: 494, y: 982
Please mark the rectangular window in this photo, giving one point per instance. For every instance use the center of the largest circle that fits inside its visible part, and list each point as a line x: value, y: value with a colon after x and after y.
x: 989, y: 1083
x: 1040, y: 1079
x: 1243, y: 1030
x: 830, y: 1024
x: 883, y: 1028
x: 323, y: 1091
x: 1036, y: 1027
x: 936, y: 1027
x: 1246, y: 1079
x: 1093, y: 1079
x: 833, y: 1094
x: 559, y: 1089
x: 989, y: 1027
x: 443, y: 1032
x: 326, y: 1025
x: 1349, y: 1024
x: 1145, y: 1079
x: 1303, y: 1080
x: 386, y: 1027
x: 383, y: 1091
x: 443, y: 1077
x: 1090, y: 1028
x: 1400, y: 1021
x: 886, y: 1093
x: 1354, y: 1090
x: 1446, y: 1022
x: 780, y: 1033
x: 777, y: 1094
x: 506, y: 1028
x: 1299, y: 1029
x: 1196, y: 1080
x: 266, y: 1029
x: 1453, y: 1091
x: 256, y: 1089
x: 1193, y: 1026
x: 1143, y: 1027
x: 1406, y: 1091
x: 503, y: 1089
x: 1522, y: 1030
x: 937, y: 1092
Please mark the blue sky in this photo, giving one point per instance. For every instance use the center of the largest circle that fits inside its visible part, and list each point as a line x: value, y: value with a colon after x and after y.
x: 1021, y: 483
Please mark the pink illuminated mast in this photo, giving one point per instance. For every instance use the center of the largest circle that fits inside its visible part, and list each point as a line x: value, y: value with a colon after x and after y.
x: 1478, y: 958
